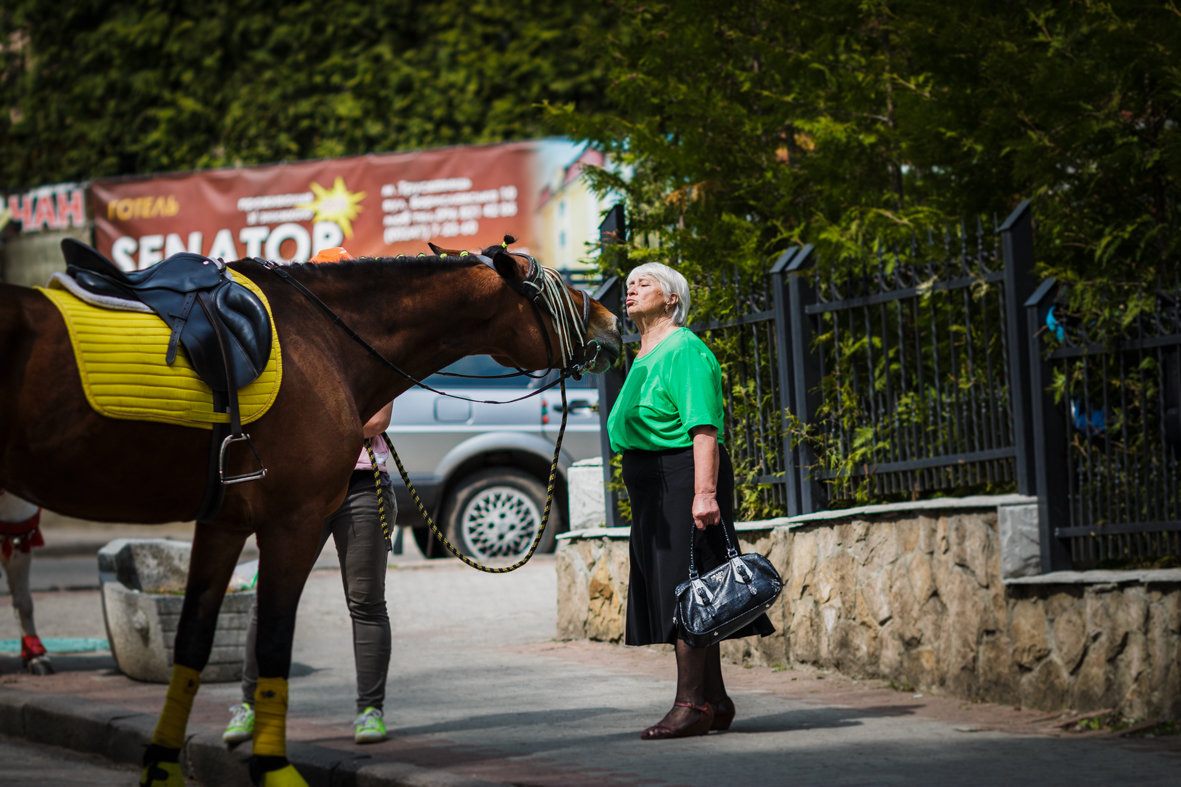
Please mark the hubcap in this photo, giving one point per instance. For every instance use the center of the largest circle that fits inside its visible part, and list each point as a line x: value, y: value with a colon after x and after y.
x: 501, y: 521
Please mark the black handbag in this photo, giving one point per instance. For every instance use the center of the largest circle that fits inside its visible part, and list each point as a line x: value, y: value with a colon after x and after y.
x: 713, y: 605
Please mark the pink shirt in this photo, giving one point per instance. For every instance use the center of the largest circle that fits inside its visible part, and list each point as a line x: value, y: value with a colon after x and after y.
x: 380, y: 451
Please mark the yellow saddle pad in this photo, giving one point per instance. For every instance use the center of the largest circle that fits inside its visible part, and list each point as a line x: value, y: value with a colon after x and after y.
x: 120, y: 356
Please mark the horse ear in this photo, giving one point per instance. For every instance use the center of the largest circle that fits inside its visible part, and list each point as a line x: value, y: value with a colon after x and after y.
x: 506, y: 264
x: 441, y: 252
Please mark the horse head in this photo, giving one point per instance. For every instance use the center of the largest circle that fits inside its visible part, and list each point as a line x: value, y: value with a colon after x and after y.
x: 580, y: 334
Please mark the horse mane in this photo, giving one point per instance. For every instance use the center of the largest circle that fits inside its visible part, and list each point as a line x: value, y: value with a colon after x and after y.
x: 420, y: 265
x: 404, y: 261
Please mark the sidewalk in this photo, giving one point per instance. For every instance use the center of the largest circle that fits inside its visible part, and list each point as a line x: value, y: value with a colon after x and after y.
x: 480, y: 693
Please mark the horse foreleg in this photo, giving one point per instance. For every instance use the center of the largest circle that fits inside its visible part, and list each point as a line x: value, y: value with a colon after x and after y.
x: 16, y: 571
x: 211, y: 563
x: 285, y: 560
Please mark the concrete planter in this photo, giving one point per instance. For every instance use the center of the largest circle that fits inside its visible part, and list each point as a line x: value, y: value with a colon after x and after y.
x: 142, y: 584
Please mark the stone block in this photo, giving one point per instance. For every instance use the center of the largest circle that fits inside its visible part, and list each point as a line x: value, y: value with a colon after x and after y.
x: 151, y: 565
x: 584, y: 483
x: 1133, y: 676
x: 1046, y: 687
x: 1164, y: 644
x: 1018, y: 531
x: 932, y: 621
x: 920, y: 667
x: 573, y: 599
x: 1028, y: 629
x: 607, y: 608
x: 875, y: 593
x: 1070, y: 637
x: 996, y: 668
x: 804, y: 631
x: 141, y: 611
x: 1093, y: 687
x: 892, y: 651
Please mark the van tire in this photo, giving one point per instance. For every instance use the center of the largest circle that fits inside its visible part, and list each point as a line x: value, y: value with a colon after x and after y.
x: 493, y: 515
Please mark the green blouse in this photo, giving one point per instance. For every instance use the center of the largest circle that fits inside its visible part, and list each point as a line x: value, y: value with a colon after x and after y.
x: 675, y: 387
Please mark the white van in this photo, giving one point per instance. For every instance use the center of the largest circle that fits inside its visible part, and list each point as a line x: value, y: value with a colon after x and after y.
x: 480, y: 469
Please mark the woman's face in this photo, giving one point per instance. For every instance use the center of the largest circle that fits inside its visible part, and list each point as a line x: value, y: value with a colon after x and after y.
x: 645, y: 298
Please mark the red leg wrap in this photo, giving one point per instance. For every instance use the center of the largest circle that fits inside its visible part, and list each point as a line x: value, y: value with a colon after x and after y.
x: 31, y: 648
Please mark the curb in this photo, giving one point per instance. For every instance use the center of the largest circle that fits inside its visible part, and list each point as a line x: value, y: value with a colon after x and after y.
x: 121, y: 736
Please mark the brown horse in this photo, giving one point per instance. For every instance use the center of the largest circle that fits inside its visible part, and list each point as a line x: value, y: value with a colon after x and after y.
x: 418, y: 315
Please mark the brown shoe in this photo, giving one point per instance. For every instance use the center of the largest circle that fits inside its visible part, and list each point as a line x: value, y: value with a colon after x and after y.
x: 700, y: 727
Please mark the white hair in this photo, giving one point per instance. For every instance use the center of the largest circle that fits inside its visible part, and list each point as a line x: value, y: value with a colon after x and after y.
x: 671, y: 283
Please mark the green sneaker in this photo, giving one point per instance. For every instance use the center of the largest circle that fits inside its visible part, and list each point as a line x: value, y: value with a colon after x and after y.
x: 241, y: 726
x: 369, y: 728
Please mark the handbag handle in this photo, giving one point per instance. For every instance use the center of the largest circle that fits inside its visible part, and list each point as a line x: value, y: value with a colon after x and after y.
x: 731, y: 552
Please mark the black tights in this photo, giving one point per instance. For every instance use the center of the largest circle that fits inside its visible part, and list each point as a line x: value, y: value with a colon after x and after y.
x: 699, y: 674
x: 699, y: 679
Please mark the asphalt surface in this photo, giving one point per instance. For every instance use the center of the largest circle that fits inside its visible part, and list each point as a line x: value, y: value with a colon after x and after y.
x: 26, y: 762
x: 481, y: 693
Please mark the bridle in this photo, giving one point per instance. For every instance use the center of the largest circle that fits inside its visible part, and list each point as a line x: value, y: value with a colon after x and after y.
x: 546, y: 292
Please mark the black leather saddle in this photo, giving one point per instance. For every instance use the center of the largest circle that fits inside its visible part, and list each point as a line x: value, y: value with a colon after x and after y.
x: 222, y: 326
x: 209, y: 314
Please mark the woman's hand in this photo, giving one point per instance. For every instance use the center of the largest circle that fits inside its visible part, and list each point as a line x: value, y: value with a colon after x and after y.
x: 705, y: 510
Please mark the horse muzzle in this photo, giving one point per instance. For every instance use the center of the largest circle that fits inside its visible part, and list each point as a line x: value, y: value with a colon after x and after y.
x: 600, y: 352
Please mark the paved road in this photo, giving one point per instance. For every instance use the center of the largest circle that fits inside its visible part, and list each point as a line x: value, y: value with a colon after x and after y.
x: 480, y: 693
x: 23, y: 763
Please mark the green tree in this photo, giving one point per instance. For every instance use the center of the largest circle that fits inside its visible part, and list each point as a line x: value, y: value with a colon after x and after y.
x: 751, y: 126
x: 97, y: 88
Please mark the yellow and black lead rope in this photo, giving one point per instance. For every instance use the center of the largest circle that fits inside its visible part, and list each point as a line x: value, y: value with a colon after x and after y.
x: 380, y: 489
x: 549, y: 498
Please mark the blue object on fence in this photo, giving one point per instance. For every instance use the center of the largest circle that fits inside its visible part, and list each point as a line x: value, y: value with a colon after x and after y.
x: 1055, y: 326
x: 1091, y: 424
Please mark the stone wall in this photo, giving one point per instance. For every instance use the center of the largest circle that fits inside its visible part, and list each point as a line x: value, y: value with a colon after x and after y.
x: 915, y: 595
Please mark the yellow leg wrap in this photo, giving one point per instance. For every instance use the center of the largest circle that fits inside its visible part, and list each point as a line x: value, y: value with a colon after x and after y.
x: 170, y: 728
x: 270, y: 717
x: 286, y: 776
x: 162, y: 774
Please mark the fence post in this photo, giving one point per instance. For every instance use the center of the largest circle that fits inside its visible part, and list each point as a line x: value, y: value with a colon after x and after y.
x: 783, y: 361
x: 805, y: 396
x: 612, y: 233
x: 1049, y: 435
x: 608, y: 383
x: 1017, y: 247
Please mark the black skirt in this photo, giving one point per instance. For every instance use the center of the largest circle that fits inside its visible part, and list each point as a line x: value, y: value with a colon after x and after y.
x: 660, y: 487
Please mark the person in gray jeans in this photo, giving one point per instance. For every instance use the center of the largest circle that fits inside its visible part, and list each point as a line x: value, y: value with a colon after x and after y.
x: 362, y: 551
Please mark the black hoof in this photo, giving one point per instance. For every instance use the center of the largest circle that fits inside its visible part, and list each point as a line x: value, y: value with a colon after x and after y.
x: 40, y: 666
x: 262, y: 765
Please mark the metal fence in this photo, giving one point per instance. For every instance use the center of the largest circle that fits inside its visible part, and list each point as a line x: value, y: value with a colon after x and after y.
x: 928, y: 373
x: 1109, y: 422
x: 903, y: 367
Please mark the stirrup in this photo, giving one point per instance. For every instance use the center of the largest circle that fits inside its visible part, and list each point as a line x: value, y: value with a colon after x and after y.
x: 221, y: 461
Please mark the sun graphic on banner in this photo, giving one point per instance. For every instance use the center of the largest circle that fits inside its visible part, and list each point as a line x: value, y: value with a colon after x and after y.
x: 337, y: 205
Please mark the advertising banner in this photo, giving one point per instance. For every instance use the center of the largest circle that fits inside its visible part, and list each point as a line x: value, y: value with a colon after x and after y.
x: 376, y: 205
x: 48, y: 208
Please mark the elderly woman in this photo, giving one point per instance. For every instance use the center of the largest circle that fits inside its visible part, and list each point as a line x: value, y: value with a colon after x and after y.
x: 667, y: 424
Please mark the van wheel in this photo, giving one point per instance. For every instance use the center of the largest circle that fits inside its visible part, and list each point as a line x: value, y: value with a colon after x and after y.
x: 494, y: 515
